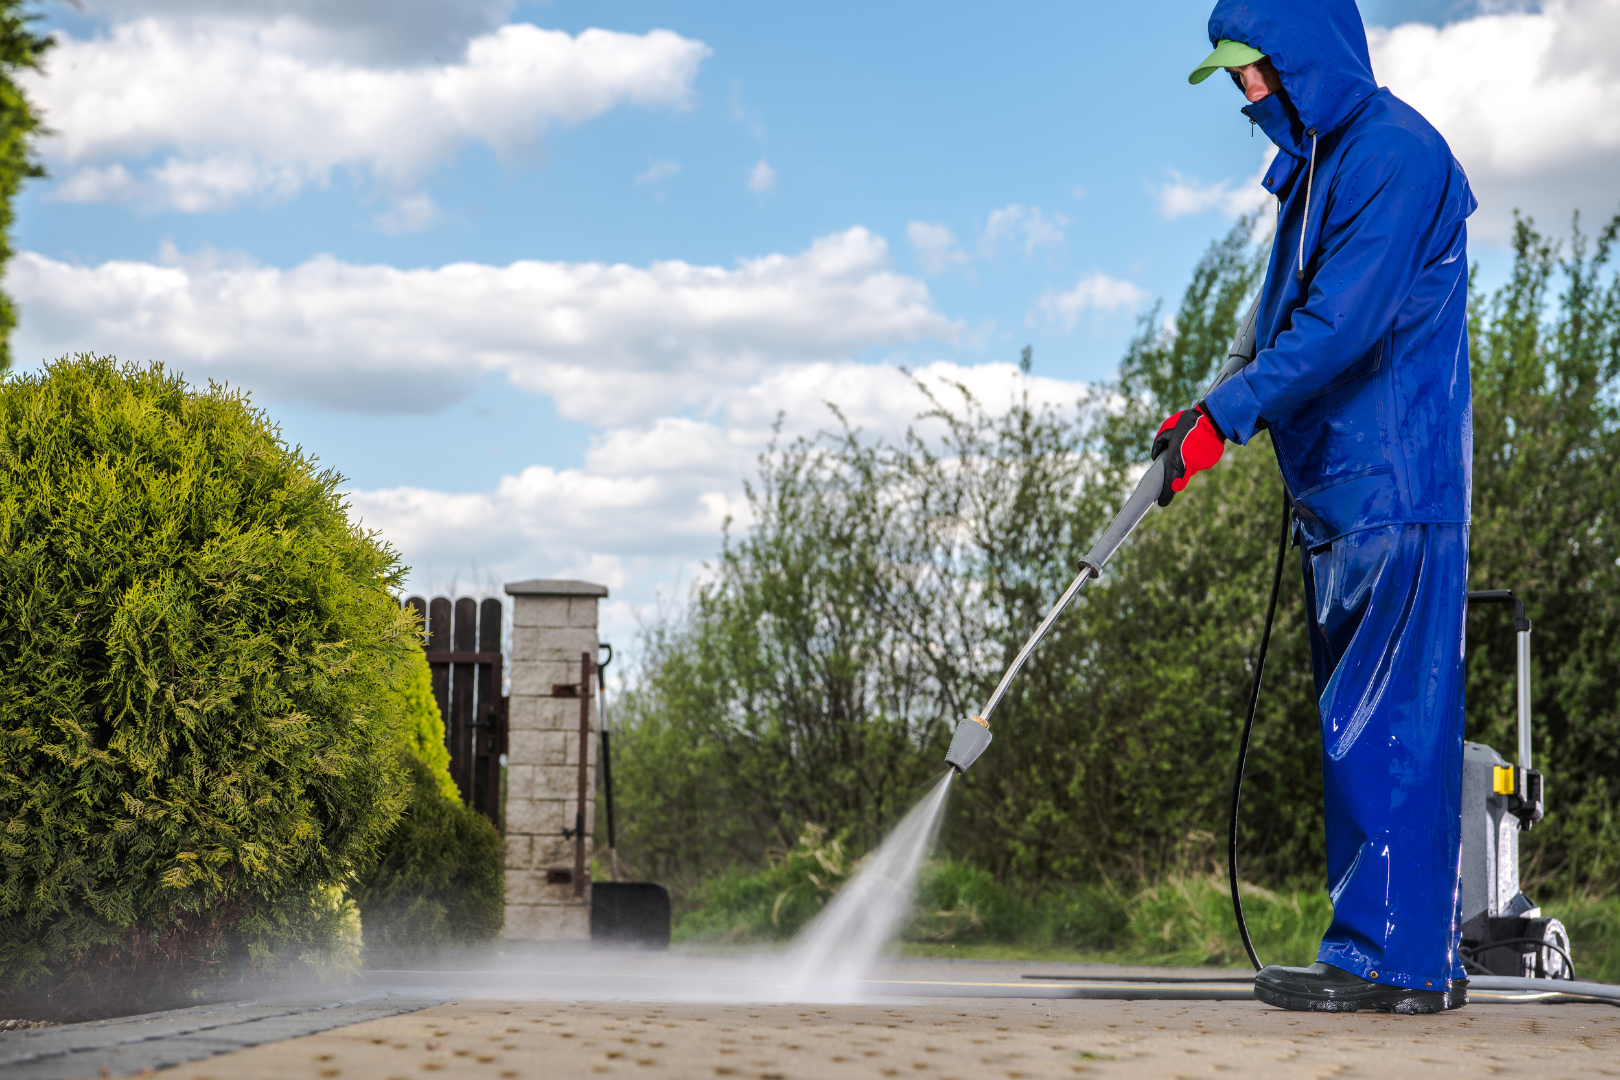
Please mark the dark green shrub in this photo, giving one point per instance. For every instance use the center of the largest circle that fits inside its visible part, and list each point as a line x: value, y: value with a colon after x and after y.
x: 441, y: 880
x: 1088, y: 917
x: 771, y: 904
x: 957, y: 901
x: 200, y: 716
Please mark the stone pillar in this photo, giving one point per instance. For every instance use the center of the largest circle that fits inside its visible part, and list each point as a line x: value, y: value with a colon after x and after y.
x: 553, y: 622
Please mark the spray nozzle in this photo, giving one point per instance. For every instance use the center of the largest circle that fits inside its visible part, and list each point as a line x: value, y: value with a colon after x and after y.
x: 971, y: 738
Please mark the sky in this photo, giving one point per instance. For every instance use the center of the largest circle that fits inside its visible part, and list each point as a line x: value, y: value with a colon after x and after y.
x: 538, y: 279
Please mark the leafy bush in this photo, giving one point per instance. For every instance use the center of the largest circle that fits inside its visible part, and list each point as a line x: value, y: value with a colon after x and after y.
x: 441, y: 880
x: 425, y: 726
x: 957, y: 901
x: 200, y: 717
x: 1546, y: 367
x: 772, y: 904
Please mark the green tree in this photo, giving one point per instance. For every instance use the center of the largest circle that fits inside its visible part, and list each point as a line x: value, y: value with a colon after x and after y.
x: 1546, y: 372
x: 20, y: 48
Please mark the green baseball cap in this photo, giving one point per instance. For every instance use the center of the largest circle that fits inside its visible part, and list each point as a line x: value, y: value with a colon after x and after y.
x: 1227, y: 54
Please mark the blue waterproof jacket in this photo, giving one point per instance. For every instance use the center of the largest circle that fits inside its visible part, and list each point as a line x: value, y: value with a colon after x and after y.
x: 1362, y: 365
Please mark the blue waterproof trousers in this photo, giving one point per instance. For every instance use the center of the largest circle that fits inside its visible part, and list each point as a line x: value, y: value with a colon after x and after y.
x: 1387, y: 624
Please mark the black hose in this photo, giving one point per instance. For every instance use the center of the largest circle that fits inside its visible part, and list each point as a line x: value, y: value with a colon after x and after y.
x: 1473, y: 953
x: 1248, y: 729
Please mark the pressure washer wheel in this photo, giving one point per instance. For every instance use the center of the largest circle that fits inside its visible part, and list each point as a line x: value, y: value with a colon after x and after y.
x: 1549, y: 963
x: 1520, y: 948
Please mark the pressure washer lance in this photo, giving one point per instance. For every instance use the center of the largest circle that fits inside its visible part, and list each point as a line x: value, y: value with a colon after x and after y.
x: 972, y: 736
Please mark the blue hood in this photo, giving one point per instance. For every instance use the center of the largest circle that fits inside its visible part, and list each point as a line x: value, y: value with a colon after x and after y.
x: 1362, y: 369
x: 1319, y: 47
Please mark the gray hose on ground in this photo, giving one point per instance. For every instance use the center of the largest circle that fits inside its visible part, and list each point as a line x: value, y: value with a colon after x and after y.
x: 1606, y: 993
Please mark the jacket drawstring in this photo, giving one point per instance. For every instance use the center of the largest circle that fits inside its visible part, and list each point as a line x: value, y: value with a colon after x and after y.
x: 1299, y: 275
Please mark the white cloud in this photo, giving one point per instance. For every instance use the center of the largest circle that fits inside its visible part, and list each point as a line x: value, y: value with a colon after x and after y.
x: 375, y: 31
x: 1182, y: 195
x: 1098, y: 292
x: 609, y: 342
x: 659, y: 171
x: 410, y: 214
x: 90, y: 184
x: 649, y: 500
x: 1028, y: 226
x: 935, y: 246
x: 230, y: 111
x: 762, y: 177
x: 1528, y: 101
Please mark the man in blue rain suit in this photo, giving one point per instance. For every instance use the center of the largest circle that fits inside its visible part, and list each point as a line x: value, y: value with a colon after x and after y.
x: 1361, y: 376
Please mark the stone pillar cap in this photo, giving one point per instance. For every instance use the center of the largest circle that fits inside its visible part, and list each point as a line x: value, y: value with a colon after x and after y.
x: 545, y: 587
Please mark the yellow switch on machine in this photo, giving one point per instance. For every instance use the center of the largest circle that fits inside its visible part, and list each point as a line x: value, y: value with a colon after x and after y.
x: 1502, y: 780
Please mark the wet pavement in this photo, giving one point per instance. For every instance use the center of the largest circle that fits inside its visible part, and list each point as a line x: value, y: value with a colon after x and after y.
x: 664, y: 1016
x: 959, y: 1038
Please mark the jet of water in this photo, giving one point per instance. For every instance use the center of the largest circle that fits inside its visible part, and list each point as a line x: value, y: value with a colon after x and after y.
x: 834, y: 953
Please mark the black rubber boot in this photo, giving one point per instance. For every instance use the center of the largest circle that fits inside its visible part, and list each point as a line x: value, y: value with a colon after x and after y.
x: 1325, y: 988
x: 1457, y: 994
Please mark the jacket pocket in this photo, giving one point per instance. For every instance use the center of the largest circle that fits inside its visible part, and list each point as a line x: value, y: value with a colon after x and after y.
x: 1367, y: 365
x: 1337, y: 480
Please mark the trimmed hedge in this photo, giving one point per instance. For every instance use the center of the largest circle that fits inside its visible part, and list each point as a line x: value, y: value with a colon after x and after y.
x: 201, y: 708
x: 441, y: 881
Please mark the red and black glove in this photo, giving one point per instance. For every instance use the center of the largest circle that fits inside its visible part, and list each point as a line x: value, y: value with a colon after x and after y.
x: 1192, y: 442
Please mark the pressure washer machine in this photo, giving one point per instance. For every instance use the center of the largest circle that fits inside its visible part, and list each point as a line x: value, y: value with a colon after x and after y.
x: 1503, y: 931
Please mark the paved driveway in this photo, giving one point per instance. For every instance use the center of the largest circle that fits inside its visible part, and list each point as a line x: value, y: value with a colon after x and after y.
x: 962, y: 1038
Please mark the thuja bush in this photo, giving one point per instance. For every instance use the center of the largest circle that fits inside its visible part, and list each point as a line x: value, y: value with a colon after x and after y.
x: 441, y: 881
x: 201, y: 665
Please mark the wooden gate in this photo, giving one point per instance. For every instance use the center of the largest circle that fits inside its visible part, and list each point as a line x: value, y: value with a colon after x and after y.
x: 463, y: 646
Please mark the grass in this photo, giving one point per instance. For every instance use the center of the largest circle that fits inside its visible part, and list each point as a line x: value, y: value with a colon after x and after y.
x: 1594, y: 932
x: 1182, y: 921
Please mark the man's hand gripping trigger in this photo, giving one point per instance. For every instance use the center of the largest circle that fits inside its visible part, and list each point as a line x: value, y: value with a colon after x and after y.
x: 1193, y: 444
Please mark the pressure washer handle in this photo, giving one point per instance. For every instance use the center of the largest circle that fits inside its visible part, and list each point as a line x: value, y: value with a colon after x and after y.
x: 1143, y: 499
x: 1242, y: 350
x: 972, y: 736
